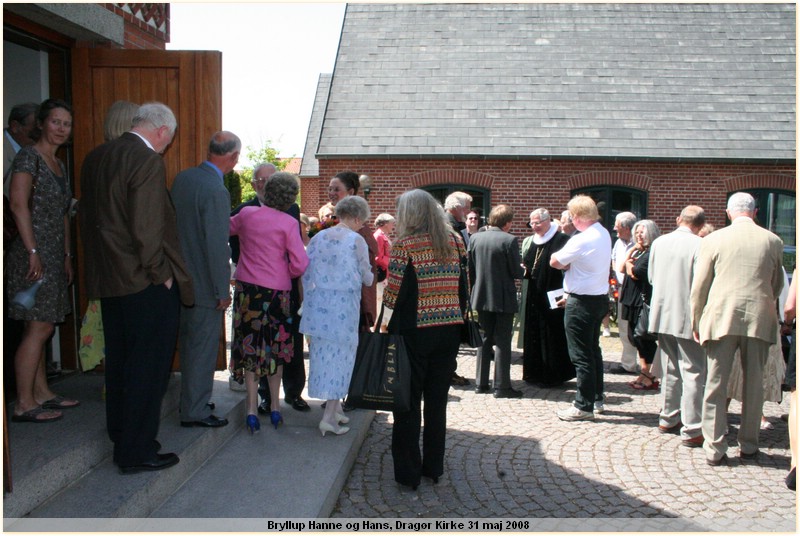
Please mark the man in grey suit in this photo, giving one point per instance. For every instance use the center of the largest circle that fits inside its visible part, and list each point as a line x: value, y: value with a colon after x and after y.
x: 670, y: 272
x: 202, y: 205
x: 737, y: 280
x: 494, y: 264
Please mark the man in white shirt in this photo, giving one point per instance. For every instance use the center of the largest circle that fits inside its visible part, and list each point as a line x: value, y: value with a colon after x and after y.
x: 623, y: 225
x: 585, y: 259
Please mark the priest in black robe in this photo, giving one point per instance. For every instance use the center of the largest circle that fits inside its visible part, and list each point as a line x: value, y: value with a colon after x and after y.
x: 545, y: 361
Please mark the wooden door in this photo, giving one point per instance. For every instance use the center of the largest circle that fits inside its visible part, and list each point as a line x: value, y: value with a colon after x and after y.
x: 189, y: 82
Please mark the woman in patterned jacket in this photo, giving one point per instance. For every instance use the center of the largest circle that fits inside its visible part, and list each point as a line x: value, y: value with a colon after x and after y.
x: 423, y: 293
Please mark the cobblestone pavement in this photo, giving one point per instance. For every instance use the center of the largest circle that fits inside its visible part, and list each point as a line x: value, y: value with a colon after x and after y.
x: 516, y: 459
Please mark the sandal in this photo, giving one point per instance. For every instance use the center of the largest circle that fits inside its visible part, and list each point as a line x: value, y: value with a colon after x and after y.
x: 34, y: 415
x: 641, y: 386
x: 60, y: 402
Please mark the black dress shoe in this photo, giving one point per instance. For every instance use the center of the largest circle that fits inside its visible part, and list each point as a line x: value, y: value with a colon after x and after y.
x: 264, y: 408
x: 162, y: 461
x: 507, y: 393
x: 298, y: 403
x: 212, y: 421
x: 347, y: 407
x: 619, y: 369
x: 483, y: 389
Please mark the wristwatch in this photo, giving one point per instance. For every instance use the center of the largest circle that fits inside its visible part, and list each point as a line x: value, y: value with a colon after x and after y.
x: 33, y: 251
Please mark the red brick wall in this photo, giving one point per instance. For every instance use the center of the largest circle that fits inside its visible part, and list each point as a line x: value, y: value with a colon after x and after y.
x: 140, y: 34
x: 526, y: 185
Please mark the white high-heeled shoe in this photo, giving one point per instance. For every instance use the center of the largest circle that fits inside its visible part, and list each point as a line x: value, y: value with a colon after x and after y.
x: 341, y: 418
x: 326, y: 427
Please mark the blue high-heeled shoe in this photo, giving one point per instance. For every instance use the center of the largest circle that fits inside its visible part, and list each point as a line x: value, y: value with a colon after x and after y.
x: 253, y: 424
x: 276, y: 418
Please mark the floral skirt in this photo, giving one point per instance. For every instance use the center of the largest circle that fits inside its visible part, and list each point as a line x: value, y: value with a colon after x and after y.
x: 262, y: 330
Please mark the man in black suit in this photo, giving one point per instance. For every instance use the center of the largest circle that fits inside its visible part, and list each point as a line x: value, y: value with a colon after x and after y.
x: 494, y: 264
x: 294, y: 372
x: 134, y: 266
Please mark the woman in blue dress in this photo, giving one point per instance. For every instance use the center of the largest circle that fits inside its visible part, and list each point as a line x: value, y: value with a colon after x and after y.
x: 338, y: 267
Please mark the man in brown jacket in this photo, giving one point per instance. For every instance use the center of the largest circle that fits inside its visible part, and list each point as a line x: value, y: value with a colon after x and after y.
x: 133, y: 265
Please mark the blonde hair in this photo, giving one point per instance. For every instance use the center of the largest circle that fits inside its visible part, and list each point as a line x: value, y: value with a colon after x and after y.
x: 119, y: 119
x: 419, y: 213
x: 583, y: 207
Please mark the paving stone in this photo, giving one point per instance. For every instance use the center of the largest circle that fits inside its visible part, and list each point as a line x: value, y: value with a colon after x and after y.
x: 514, y: 458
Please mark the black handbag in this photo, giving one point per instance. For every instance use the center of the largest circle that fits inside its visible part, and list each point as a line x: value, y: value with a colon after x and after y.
x: 640, y: 331
x: 471, y: 332
x: 381, y: 377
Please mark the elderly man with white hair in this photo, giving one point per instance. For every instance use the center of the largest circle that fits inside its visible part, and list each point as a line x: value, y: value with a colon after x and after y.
x: 737, y: 280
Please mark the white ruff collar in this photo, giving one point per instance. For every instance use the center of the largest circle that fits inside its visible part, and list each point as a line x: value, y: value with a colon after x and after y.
x: 551, y: 232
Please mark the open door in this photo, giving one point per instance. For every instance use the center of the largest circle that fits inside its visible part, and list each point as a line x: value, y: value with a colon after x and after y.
x: 189, y: 82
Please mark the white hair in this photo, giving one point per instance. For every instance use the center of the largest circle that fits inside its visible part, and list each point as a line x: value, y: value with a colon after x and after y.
x: 741, y: 203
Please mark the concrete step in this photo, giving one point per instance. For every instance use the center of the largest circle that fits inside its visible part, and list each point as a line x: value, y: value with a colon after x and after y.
x: 45, y: 458
x: 224, y: 473
x: 291, y: 472
x: 64, y: 469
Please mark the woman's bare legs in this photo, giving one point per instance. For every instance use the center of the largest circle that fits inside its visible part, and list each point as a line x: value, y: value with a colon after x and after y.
x: 29, y: 365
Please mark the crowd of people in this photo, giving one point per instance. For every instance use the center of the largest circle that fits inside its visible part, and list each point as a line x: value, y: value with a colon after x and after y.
x: 699, y: 318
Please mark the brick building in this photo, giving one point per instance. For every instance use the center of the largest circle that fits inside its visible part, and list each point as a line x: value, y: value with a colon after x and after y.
x: 646, y: 107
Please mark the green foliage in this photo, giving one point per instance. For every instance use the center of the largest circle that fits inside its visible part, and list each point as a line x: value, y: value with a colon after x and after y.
x: 234, y: 186
x: 239, y: 183
x: 265, y: 154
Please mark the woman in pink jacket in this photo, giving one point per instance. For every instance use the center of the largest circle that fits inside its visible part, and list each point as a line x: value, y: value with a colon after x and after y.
x: 271, y: 255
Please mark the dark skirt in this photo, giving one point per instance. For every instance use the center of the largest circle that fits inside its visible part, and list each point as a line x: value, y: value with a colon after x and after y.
x: 545, y: 359
x: 262, y: 330
x: 647, y: 349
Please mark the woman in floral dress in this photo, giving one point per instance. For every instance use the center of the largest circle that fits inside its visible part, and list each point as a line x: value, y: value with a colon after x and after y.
x: 40, y: 197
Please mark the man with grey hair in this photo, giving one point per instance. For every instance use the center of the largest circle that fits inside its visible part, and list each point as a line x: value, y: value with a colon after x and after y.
x: 202, y: 206
x: 738, y: 277
x: 623, y: 225
x: 134, y: 266
x: 457, y: 205
x: 294, y: 372
x: 670, y: 272
x: 567, y: 227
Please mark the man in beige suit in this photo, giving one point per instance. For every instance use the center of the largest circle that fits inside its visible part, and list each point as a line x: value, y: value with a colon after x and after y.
x: 737, y: 281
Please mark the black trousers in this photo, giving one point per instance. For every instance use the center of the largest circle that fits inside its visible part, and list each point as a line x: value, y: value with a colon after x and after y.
x: 432, y: 352
x: 141, y: 331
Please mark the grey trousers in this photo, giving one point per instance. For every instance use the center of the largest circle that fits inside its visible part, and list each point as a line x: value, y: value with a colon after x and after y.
x: 198, y: 341
x: 630, y: 357
x: 497, y: 329
x: 715, y: 416
x: 684, y: 383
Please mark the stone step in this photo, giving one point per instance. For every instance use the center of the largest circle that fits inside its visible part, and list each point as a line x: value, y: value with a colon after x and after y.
x: 291, y: 472
x: 226, y: 476
x: 64, y: 469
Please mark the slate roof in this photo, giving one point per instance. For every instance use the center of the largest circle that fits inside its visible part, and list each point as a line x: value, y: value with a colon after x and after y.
x: 619, y: 81
x: 310, y: 165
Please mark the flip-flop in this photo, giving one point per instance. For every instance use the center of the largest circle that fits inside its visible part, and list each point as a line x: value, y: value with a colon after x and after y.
x: 60, y: 402
x: 33, y: 416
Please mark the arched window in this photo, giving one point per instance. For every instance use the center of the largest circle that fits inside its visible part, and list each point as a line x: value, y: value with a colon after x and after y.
x: 611, y: 200
x: 480, y: 196
x: 776, y: 212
